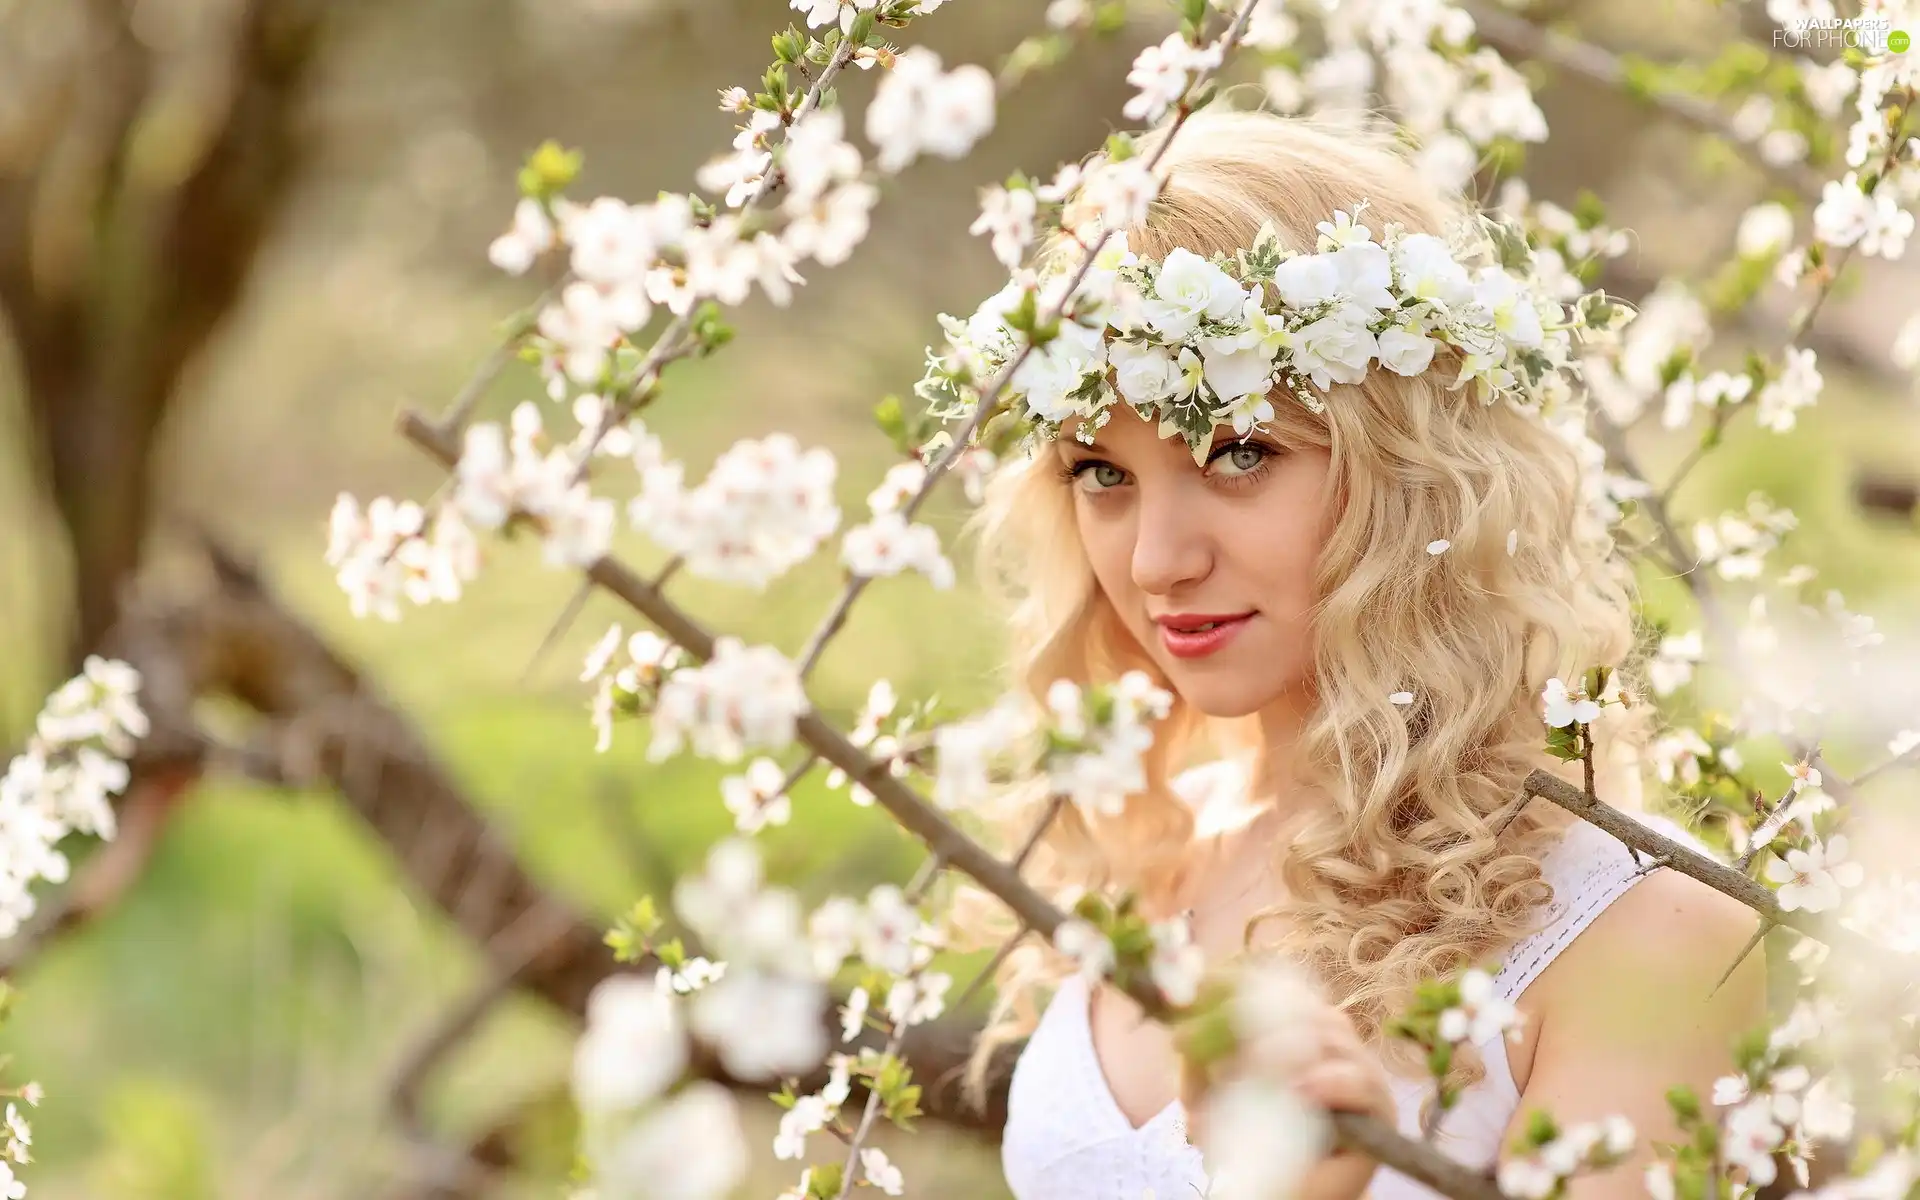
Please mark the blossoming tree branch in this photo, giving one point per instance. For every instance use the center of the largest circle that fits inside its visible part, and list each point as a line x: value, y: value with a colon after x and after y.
x: 1212, y: 342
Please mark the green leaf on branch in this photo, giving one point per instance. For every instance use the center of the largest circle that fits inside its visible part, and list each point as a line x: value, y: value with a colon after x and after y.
x: 1685, y: 1105
x: 632, y: 934
x: 824, y: 1179
x: 1564, y: 743
x: 709, y: 327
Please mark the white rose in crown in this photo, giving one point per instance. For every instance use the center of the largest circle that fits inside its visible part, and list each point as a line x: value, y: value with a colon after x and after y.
x: 1144, y: 373
x: 1405, y: 352
x: 1336, y: 348
x: 1189, y: 290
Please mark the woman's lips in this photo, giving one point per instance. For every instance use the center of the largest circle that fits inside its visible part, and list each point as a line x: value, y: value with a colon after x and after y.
x: 1198, y: 645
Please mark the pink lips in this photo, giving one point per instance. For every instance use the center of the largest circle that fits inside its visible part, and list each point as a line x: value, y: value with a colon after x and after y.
x: 1183, y: 644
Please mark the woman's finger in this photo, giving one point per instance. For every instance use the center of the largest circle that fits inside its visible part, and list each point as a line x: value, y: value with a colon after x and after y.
x: 1347, y: 1086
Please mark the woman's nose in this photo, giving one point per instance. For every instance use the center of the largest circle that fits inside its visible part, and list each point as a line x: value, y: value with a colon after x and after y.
x: 1171, y: 545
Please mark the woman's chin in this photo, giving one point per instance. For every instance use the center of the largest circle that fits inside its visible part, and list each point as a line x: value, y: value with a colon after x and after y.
x: 1219, y: 697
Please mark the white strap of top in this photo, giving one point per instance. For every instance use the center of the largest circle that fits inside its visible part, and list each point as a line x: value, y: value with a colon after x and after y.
x: 1588, y: 870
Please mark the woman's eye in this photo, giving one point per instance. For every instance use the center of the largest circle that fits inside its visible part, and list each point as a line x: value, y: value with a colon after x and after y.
x: 1243, y: 459
x: 1105, y: 474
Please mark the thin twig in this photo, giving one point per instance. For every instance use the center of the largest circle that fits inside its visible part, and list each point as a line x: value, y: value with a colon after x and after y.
x: 986, y: 972
x: 1054, y: 805
x: 1909, y: 759
x: 1759, y: 934
x: 518, y: 327
x: 575, y: 604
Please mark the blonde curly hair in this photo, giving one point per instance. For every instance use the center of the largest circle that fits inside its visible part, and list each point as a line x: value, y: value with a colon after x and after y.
x: 1426, y: 860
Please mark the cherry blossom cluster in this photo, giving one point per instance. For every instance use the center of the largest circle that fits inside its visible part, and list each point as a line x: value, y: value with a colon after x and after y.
x: 895, y: 946
x: 64, y: 779
x: 1556, y: 1155
x: 62, y: 782
x: 1736, y: 545
x: 393, y: 550
x: 744, y: 698
x: 1480, y: 1013
x: 882, y: 735
x: 1776, y: 1106
x: 1096, y: 739
x: 762, y: 1015
x: 627, y: 259
x: 890, y: 543
x: 764, y: 508
x: 637, y: 1136
x: 1191, y: 343
x: 634, y: 685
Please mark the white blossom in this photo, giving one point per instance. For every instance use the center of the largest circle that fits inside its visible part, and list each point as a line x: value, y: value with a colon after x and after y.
x: 1811, y: 879
x: 1797, y: 387
x: 530, y: 235
x: 1091, y: 950
x: 755, y: 799
x: 880, y: 1172
x: 633, y: 1047
x: 690, y: 1148
x: 887, y: 545
x: 1752, y: 1136
x: 761, y: 1024
x: 853, y: 1014
x: 1006, y: 215
x: 921, y: 109
x: 61, y: 780
x: 918, y: 999
x: 827, y: 228
x: 967, y: 749
x: 1260, y: 1139
x: 765, y: 507
x: 1671, y: 666
x: 745, y: 697
x: 1176, y: 963
x: 1765, y: 230
x: 1163, y: 72
x: 1566, y: 707
x: 1482, y: 1013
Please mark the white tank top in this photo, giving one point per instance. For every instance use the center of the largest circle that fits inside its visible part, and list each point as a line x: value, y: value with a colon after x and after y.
x: 1066, y: 1138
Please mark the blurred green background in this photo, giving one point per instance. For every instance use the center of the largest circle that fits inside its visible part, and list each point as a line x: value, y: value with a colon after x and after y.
x: 229, y: 1025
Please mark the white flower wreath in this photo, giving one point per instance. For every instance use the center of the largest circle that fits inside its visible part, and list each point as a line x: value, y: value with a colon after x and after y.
x: 1194, y: 343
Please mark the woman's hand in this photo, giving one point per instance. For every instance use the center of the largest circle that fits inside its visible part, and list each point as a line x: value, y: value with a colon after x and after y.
x: 1325, y: 1062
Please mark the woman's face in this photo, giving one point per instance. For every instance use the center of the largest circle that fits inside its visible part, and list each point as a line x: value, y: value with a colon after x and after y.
x: 1173, y: 545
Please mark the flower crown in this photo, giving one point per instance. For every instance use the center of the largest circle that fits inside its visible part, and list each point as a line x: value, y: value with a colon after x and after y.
x: 1192, y: 343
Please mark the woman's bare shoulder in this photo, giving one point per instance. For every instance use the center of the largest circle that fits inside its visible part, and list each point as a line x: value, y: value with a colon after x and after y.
x: 1669, y: 938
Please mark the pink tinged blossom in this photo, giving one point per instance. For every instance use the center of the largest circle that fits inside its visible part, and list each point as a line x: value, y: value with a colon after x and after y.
x: 1752, y: 1136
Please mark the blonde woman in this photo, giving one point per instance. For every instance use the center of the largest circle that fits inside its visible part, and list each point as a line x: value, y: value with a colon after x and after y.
x: 1356, y: 611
